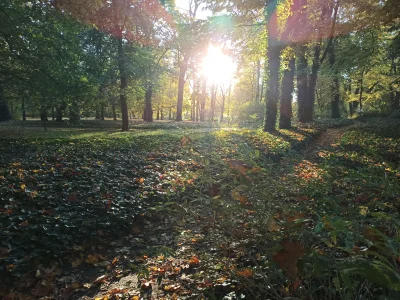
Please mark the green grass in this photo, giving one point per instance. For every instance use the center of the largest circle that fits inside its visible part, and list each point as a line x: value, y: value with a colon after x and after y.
x: 326, y: 229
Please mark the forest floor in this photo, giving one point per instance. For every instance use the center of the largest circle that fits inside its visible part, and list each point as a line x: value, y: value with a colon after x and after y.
x: 202, y: 214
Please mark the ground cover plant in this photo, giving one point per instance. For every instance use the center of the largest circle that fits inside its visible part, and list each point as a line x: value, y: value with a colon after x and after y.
x: 303, y: 213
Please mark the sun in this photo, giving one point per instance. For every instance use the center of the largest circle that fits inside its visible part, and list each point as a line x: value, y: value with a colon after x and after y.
x: 218, y: 68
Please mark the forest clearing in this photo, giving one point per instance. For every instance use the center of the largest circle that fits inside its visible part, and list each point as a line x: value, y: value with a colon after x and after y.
x: 194, y: 214
x: 199, y: 149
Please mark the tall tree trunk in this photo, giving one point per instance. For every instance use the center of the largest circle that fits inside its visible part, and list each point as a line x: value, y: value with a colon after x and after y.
x: 394, y: 95
x: 114, y: 109
x: 102, y: 109
x: 170, y: 114
x: 181, y: 87
x: 286, y: 97
x: 312, y: 80
x: 5, y: 114
x: 203, y: 100
x: 59, y: 113
x: 335, y: 100
x: 213, y: 100
x: 74, y: 115
x: 305, y: 110
x: 123, y: 84
x: 158, y: 111
x: 273, y: 55
x: 97, y: 113
x: 24, y: 112
x: 197, y: 109
x: 193, y: 105
x: 43, y: 114
x: 148, y: 111
x: 222, y: 106
x: 361, y: 90
x: 229, y: 97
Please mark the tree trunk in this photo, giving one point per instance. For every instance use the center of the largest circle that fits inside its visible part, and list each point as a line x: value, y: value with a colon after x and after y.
x: 59, y: 113
x: 97, y: 113
x: 158, y: 111
x: 43, y: 114
x: 213, y: 100
x: 123, y: 85
x: 5, y: 114
x: 148, y: 111
x: 74, y: 116
x: 203, y: 100
x: 312, y: 80
x: 273, y: 55
x: 24, y: 112
x: 181, y: 87
x: 114, y: 110
x: 305, y: 110
x: 335, y: 101
x: 361, y: 90
x: 102, y: 112
x: 222, y: 106
x: 286, y: 97
x: 229, y: 97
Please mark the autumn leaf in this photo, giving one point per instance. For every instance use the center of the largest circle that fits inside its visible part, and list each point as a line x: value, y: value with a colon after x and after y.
x: 245, y: 273
x: 185, y: 140
x: 288, y: 257
x: 273, y: 225
x: 194, y: 260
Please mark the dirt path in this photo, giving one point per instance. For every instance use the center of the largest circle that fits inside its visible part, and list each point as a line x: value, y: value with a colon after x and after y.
x: 327, y: 140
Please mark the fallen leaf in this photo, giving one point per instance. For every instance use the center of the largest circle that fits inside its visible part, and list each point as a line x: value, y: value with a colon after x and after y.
x: 194, y: 260
x: 273, y: 225
x: 288, y: 257
x: 245, y: 273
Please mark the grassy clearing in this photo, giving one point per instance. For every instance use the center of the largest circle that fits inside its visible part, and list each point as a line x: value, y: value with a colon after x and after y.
x: 200, y: 213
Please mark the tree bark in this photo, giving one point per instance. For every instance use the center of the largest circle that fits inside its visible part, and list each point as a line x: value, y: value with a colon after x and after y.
x: 203, y: 100
x: 213, y: 100
x: 312, y: 80
x: 43, y: 114
x: 74, y: 116
x: 59, y: 113
x: 223, y: 105
x: 5, y: 114
x: 23, y: 109
x: 123, y: 85
x: 335, y: 100
x: 181, y: 87
x: 285, y: 117
x: 273, y: 55
x: 305, y: 110
x: 148, y: 111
